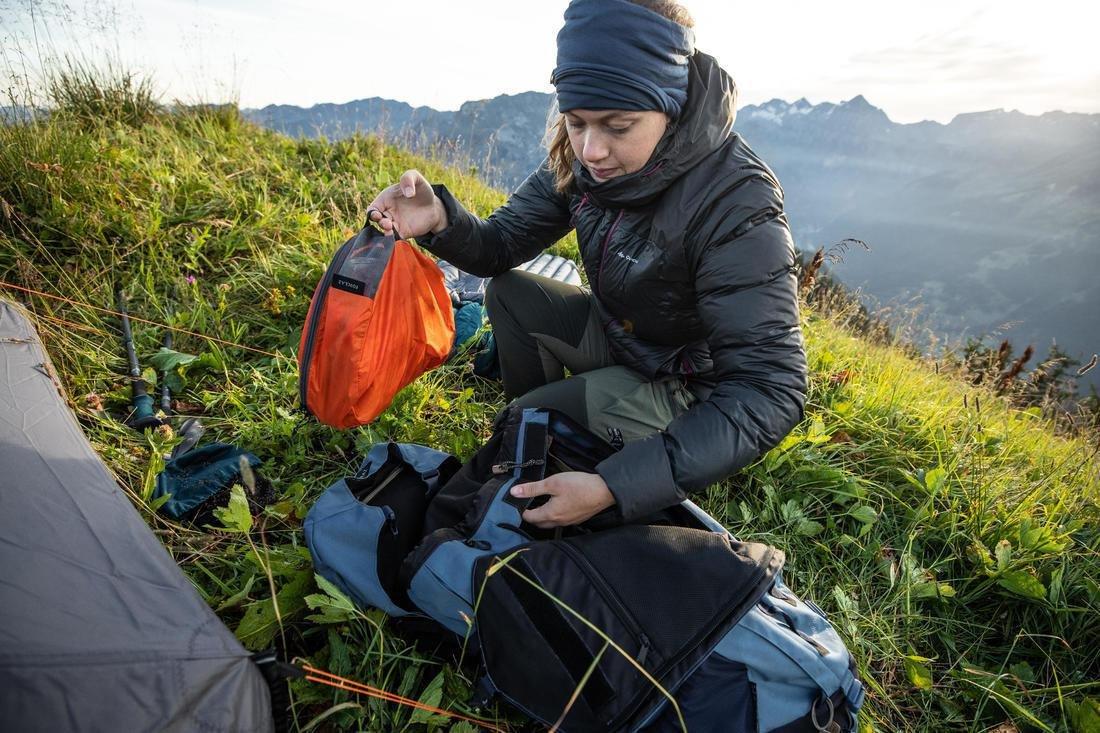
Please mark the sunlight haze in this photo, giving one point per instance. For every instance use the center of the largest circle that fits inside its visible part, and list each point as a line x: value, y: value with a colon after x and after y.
x: 928, y: 60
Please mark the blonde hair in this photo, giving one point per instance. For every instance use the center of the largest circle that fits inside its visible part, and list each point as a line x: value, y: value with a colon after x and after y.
x: 560, y: 156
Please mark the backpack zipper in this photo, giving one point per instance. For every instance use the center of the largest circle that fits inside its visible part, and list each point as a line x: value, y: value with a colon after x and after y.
x: 621, y: 611
x: 603, y: 252
x: 377, y: 489
x: 391, y: 519
x: 574, y: 460
x: 507, y: 466
x: 315, y: 316
x: 783, y: 619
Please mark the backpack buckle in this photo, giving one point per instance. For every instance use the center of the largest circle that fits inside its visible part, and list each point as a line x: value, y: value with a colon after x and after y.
x: 483, y: 694
x: 615, y: 437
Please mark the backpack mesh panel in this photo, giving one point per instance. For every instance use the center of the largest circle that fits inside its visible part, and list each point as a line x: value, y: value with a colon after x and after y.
x: 676, y: 582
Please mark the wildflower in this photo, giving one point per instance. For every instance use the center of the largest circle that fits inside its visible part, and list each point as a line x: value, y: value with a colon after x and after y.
x: 1014, y: 371
x: 94, y: 402
x: 273, y: 303
x: 809, y: 274
x: 191, y: 280
x: 45, y: 167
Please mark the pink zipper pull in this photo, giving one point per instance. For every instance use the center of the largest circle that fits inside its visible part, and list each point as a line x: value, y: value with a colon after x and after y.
x: 576, y: 211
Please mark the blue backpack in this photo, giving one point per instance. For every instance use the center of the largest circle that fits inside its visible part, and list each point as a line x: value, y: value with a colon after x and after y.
x: 576, y: 626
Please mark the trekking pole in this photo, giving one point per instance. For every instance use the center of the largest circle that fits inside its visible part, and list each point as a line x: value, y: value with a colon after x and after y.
x: 165, y: 392
x: 142, y: 416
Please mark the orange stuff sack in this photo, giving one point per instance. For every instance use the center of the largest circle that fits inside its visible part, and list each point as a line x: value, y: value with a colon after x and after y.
x: 379, y: 318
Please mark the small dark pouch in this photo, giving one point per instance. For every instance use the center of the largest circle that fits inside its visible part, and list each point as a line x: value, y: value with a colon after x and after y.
x: 664, y: 595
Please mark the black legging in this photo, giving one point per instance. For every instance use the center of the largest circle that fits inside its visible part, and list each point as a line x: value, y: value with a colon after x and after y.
x: 543, y: 326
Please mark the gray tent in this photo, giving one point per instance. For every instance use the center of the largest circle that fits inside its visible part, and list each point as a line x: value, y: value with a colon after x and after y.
x: 99, y: 629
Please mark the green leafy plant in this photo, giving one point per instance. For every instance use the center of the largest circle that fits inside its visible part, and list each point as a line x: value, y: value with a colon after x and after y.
x: 953, y: 539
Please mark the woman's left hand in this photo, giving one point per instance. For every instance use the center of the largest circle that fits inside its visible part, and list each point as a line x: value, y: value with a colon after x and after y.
x: 574, y: 498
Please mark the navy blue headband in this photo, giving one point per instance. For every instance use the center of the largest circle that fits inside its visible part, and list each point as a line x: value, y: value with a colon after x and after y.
x: 613, y: 54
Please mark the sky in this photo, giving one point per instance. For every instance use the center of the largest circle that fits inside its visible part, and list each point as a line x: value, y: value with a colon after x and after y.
x: 930, y: 59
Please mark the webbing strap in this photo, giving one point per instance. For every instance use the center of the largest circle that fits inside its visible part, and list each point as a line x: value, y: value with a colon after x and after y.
x: 530, y: 458
x: 855, y: 693
x: 532, y: 449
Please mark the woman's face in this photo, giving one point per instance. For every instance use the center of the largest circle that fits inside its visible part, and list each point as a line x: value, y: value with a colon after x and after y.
x: 614, y: 142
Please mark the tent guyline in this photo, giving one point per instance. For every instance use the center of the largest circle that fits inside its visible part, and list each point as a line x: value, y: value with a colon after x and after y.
x: 322, y: 677
x: 116, y: 313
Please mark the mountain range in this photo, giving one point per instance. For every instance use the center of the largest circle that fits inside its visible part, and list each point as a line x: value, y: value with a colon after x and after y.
x: 991, y: 221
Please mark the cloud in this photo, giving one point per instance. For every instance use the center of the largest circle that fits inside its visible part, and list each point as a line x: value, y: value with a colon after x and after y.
x: 971, y: 64
x: 956, y: 55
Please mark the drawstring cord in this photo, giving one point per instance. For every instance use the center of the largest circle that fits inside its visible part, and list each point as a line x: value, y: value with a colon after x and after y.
x: 322, y: 677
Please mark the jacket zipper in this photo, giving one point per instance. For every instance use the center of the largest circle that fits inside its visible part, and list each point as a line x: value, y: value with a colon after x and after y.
x: 605, y: 591
x: 603, y: 252
x: 758, y: 218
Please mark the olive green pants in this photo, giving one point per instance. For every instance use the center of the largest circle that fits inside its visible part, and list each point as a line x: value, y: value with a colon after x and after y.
x: 543, y: 328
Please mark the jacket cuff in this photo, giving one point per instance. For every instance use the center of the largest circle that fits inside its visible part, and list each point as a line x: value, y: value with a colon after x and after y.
x: 454, y: 238
x: 640, y: 478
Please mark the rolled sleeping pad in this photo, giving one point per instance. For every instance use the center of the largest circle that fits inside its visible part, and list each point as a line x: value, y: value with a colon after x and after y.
x: 554, y: 267
x: 467, y: 288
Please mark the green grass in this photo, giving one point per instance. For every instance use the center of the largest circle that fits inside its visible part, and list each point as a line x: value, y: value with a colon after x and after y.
x: 953, y: 541
x: 91, y: 93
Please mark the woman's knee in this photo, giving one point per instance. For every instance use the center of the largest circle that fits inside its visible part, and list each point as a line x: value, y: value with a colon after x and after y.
x: 564, y: 395
x: 503, y: 289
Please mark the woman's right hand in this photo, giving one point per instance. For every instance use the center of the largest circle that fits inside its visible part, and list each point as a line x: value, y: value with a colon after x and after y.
x: 411, y: 205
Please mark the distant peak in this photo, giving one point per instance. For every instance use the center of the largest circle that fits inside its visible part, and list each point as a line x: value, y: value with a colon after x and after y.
x: 800, y: 107
x: 861, y: 108
x: 980, y: 115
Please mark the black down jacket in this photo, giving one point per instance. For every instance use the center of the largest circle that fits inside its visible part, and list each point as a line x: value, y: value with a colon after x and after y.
x: 693, y: 268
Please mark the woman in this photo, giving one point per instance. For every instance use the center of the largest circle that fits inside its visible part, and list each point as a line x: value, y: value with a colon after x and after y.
x: 688, y: 345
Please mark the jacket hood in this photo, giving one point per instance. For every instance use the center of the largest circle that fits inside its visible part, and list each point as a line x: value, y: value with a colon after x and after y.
x: 705, y: 123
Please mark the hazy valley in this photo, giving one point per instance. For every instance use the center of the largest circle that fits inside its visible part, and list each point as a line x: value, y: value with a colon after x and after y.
x: 989, y: 220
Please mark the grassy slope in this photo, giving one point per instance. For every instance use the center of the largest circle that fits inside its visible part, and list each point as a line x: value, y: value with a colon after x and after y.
x: 954, y: 542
